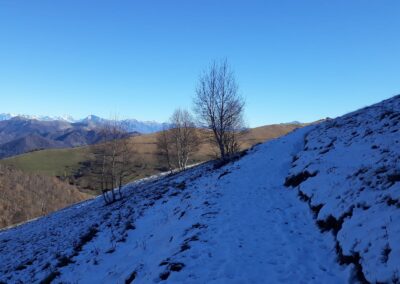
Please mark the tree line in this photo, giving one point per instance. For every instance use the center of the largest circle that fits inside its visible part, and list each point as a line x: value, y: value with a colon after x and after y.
x: 218, y: 117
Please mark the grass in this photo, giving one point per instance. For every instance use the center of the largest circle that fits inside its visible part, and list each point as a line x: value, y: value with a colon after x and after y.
x: 68, y: 163
x: 52, y: 162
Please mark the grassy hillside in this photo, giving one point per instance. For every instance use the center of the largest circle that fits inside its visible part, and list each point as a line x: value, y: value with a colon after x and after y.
x: 25, y: 196
x: 71, y: 164
x: 51, y: 162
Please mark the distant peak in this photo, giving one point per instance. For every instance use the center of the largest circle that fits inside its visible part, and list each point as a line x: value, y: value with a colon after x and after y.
x: 7, y: 116
x: 92, y: 117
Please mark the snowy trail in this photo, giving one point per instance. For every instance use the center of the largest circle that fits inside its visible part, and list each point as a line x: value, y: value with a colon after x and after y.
x: 263, y: 233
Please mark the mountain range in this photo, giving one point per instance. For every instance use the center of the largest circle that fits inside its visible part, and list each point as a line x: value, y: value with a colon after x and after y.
x: 20, y: 133
x: 7, y: 116
x: 132, y: 125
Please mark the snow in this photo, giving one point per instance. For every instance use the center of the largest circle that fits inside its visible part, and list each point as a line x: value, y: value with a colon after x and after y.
x: 233, y: 224
x: 356, y: 158
x: 239, y: 223
x: 7, y: 116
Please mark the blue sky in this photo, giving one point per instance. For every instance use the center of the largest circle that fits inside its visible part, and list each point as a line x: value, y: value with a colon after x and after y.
x: 294, y: 60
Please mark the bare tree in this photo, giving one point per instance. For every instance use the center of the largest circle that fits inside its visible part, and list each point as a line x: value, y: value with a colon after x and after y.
x: 184, y: 136
x: 220, y: 108
x: 178, y: 143
x: 113, y: 160
x: 164, y: 145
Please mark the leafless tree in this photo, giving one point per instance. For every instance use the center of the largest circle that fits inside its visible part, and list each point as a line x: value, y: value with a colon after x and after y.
x: 178, y: 143
x: 164, y: 145
x: 220, y: 108
x: 113, y: 160
x: 25, y: 196
x: 184, y: 136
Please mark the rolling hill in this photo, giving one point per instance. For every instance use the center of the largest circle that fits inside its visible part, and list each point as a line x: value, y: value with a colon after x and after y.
x: 72, y: 164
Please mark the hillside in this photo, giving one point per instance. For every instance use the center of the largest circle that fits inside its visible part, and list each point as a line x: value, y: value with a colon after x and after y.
x: 71, y: 164
x: 27, y: 196
x: 319, y: 205
x: 349, y: 173
x: 51, y: 162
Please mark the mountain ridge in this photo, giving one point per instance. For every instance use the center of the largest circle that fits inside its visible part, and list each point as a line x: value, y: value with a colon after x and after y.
x: 19, y: 134
x: 142, y: 126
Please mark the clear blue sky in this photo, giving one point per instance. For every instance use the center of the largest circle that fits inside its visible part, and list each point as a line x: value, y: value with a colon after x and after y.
x: 294, y: 60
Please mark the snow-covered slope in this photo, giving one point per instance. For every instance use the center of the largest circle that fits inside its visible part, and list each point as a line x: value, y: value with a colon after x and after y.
x: 349, y: 172
x: 244, y: 222
x: 203, y: 226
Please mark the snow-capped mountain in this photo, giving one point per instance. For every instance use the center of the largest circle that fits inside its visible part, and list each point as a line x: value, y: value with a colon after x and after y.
x: 93, y: 118
x: 132, y: 125
x: 319, y: 205
x: 20, y: 135
x: 7, y: 116
x: 144, y: 126
x: 23, y: 133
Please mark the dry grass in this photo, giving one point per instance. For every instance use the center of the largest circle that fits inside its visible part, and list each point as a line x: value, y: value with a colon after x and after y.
x: 70, y: 164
